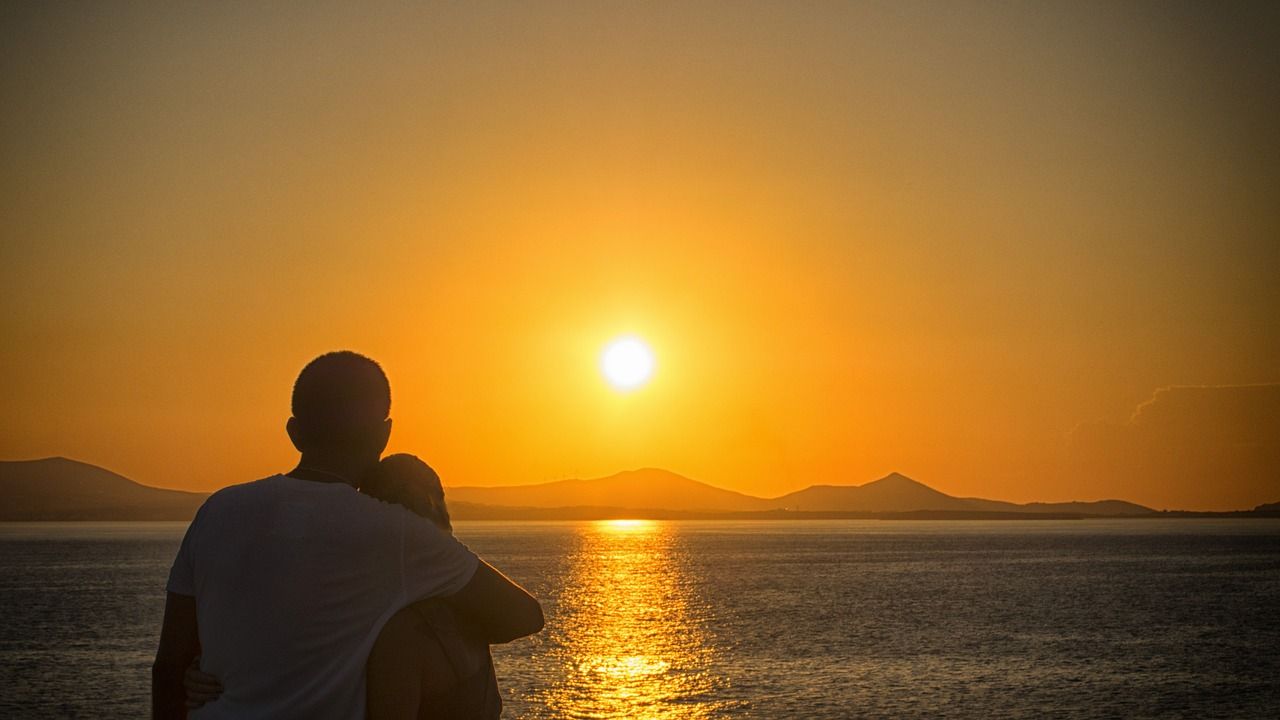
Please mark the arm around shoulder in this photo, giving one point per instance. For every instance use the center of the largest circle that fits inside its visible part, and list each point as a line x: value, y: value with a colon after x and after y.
x: 502, y: 610
x: 436, y: 564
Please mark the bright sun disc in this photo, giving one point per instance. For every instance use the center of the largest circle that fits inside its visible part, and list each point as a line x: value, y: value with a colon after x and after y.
x: 627, y: 363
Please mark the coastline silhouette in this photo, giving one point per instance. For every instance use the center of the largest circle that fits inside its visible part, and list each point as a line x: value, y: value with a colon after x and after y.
x: 62, y: 489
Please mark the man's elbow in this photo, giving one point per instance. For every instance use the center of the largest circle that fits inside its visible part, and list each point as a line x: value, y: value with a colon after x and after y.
x: 522, y: 623
x: 536, y: 619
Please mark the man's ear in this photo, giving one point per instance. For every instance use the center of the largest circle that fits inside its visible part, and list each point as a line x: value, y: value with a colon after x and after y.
x: 294, y: 428
x: 384, y: 435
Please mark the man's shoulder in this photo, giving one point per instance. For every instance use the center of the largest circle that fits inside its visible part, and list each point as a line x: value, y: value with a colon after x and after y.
x: 241, y: 491
x: 378, y: 510
x: 382, y: 518
x: 366, y: 516
x: 233, y: 500
x: 284, y: 488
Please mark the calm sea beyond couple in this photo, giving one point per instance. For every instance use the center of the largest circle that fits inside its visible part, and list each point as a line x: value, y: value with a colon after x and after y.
x: 336, y: 590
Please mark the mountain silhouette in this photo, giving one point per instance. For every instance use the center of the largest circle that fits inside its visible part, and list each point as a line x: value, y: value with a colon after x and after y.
x: 643, y: 489
x: 898, y: 493
x: 1097, y: 507
x: 60, y: 489
x: 891, y: 493
x: 654, y: 489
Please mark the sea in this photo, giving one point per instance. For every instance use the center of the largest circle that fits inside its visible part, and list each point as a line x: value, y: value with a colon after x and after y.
x: 1154, y: 618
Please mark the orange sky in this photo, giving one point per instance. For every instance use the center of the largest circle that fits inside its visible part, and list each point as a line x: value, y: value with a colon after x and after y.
x: 962, y: 242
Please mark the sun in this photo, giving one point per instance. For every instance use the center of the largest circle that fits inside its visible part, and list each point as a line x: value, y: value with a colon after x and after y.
x: 627, y: 363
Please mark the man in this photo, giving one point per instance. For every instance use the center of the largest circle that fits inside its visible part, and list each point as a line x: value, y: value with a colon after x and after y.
x: 292, y: 577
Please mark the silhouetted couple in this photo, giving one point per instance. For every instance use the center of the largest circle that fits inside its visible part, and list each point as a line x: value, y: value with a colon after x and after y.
x: 294, y: 590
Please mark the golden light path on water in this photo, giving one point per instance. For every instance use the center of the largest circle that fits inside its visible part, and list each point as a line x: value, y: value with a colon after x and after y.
x: 631, y: 637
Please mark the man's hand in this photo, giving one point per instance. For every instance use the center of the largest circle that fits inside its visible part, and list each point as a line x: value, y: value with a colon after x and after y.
x: 201, y: 687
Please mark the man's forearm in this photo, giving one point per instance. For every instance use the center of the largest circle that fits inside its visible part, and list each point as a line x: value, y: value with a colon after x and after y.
x: 168, y: 698
x: 500, y: 609
x: 179, y: 644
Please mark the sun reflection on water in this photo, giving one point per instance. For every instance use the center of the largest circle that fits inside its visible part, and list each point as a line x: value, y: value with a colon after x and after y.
x: 630, y: 629
x: 626, y: 525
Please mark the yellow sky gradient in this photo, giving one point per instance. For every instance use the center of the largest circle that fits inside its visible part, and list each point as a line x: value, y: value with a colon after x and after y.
x: 932, y: 238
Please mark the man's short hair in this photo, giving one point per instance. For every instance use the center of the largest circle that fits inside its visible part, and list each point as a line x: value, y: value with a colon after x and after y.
x: 339, y: 395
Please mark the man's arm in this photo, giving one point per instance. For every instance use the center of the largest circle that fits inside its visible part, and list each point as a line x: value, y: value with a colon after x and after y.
x: 179, y: 644
x: 500, y: 609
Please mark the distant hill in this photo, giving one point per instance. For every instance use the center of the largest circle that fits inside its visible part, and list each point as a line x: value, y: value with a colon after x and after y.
x: 891, y: 493
x: 662, y: 493
x: 645, y: 489
x: 899, y: 493
x: 1268, y: 507
x: 1099, y: 507
x: 61, y: 489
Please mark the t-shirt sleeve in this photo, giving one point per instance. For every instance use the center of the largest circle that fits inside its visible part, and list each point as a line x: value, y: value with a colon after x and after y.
x: 435, y: 563
x: 182, y: 576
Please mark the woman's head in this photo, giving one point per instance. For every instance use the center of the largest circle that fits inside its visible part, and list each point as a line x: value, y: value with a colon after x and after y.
x: 405, y: 480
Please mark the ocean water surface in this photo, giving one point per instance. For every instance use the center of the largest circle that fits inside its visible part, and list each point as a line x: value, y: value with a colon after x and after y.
x: 763, y: 619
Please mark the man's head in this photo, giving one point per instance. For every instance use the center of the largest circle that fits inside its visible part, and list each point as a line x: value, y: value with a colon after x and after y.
x: 341, y: 401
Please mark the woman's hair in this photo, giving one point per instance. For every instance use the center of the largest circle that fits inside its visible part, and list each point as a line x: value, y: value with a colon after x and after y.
x: 405, y: 480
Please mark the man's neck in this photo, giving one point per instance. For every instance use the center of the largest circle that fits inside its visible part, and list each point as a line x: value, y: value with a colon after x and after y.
x: 328, y: 470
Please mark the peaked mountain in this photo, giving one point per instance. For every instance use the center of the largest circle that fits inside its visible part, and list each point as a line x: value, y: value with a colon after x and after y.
x: 60, y: 489
x: 891, y: 493
x: 644, y: 489
x: 898, y: 493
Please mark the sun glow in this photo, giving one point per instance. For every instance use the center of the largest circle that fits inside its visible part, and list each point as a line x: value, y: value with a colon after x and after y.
x: 627, y: 363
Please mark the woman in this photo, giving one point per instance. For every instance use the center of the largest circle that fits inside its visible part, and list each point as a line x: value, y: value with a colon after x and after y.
x: 427, y: 662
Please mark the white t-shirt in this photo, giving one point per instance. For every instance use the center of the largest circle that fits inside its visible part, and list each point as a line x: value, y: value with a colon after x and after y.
x: 293, y: 580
